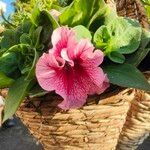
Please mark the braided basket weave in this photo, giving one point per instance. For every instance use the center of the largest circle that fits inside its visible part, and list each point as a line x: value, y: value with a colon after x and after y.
x: 102, y: 123
x: 89, y: 128
x: 137, y: 125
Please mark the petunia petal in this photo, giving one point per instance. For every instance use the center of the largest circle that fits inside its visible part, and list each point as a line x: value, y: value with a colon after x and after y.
x: 64, y: 55
x: 83, y: 46
x: 63, y: 38
x: 46, y: 71
x: 94, y: 59
x: 78, y: 84
x: 74, y: 91
x: 98, y: 89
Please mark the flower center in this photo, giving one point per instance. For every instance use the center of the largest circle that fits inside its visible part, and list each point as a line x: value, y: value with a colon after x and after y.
x: 67, y: 66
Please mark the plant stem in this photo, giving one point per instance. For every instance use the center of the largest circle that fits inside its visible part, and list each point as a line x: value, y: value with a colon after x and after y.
x: 3, y: 17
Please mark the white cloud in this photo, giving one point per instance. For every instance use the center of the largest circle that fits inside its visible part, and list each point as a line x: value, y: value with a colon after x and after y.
x: 2, y: 6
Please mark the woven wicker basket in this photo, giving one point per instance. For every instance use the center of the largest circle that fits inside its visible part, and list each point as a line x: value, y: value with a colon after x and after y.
x: 99, y: 124
x: 92, y: 127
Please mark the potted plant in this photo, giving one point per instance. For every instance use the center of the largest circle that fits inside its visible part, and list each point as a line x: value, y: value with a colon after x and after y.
x: 77, y: 50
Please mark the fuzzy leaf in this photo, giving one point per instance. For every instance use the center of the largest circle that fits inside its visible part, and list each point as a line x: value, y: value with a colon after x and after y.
x: 126, y: 75
x: 82, y: 33
x: 116, y: 57
x: 144, y: 48
x: 120, y: 35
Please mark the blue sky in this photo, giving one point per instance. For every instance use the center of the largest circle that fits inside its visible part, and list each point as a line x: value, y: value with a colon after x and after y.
x: 9, y: 8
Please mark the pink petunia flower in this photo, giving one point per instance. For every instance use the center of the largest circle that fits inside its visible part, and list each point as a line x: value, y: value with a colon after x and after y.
x: 71, y: 69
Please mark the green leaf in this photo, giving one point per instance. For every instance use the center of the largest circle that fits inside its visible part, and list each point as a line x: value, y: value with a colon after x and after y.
x: 16, y: 95
x: 64, y: 2
x: 83, y: 12
x: 26, y: 56
x: 5, y: 81
x: 148, y: 11
x: 9, y: 39
x: 46, y: 36
x: 12, y: 36
x: 136, y: 58
x: 18, y: 48
x: 130, y: 38
x: 49, y: 24
x: 36, y: 36
x: 99, y: 17
x: 121, y: 35
x: 116, y: 57
x: 44, y: 27
x: 9, y: 62
x: 23, y: 27
x: 146, y: 2
x: 35, y: 15
x: 24, y: 53
x: 42, y: 34
x: 2, y: 51
x: 40, y: 18
x: 25, y: 39
x: 102, y: 38
x: 82, y: 33
x: 47, y: 17
x: 126, y: 75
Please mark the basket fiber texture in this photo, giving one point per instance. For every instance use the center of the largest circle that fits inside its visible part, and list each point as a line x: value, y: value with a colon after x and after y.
x: 92, y: 127
x: 137, y: 125
x: 99, y: 124
x: 133, y: 9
